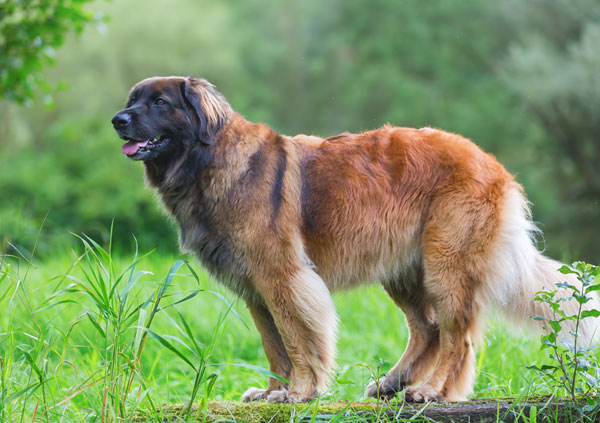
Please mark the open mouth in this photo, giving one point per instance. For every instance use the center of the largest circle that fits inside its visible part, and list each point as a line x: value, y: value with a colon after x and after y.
x: 132, y: 147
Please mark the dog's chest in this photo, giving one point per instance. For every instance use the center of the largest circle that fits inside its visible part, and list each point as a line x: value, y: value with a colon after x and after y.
x: 201, y: 233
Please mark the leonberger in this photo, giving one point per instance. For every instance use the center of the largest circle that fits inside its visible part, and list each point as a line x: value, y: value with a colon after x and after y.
x: 284, y: 221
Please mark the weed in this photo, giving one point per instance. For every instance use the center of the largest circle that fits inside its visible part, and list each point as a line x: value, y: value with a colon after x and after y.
x: 573, y: 367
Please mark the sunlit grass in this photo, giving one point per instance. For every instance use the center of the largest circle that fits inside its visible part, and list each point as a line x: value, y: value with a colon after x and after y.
x: 61, y: 320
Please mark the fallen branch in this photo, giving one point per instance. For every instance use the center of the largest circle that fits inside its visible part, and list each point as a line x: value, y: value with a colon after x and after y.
x: 483, y: 410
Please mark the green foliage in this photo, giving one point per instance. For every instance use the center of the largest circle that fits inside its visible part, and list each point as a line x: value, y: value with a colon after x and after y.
x: 554, y: 70
x: 119, y: 314
x: 351, y: 66
x: 574, y: 367
x: 73, y: 179
x: 30, y: 30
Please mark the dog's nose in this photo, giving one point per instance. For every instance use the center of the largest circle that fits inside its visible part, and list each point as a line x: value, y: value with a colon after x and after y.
x: 121, y: 120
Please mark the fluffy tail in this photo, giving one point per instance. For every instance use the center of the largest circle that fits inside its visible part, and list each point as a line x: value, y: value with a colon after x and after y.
x: 519, y: 271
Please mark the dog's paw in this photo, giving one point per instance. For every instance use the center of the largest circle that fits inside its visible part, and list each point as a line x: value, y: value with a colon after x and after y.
x: 295, y: 396
x: 422, y: 393
x: 254, y: 394
x: 287, y: 396
x: 277, y: 396
x: 384, y: 388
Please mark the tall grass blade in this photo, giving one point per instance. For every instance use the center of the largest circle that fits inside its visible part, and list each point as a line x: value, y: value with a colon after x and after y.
x: 139, y: 332
x: 96, y: 325
x: 170, y: 347
x: 258, y: 369
x: 29, y: 389
x: 189, y: 332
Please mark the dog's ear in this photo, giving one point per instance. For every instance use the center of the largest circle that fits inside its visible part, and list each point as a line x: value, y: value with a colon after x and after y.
x: 209, y: 108
x: 193, y: 102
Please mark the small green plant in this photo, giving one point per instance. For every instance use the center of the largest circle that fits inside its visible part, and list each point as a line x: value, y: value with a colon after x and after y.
x: 121, y: 316
x: 574, y: 368
x: 199, y: 360
x: 376, y: 374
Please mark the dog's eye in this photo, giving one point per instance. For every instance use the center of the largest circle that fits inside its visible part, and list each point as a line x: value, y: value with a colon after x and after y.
x: 159, y: 102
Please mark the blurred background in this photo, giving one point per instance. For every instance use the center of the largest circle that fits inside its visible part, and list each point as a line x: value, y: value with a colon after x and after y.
x: 520, y: 78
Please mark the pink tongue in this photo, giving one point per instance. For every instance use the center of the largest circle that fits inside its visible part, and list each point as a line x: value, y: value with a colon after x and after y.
x: 131, y: 147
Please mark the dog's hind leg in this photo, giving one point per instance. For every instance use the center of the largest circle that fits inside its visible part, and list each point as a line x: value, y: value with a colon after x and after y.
x: 304, y: 314
x: 458, y: 241
x: 423, y: 347
x: 279, y: 361
x: 452, y: 288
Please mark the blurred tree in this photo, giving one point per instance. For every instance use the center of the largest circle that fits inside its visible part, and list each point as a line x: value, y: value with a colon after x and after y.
x: 327, y: 67
x: 554, y: 68
x: 29, y: 32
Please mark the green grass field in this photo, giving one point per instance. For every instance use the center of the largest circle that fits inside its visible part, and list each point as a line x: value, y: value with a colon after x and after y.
x: 55, y: 355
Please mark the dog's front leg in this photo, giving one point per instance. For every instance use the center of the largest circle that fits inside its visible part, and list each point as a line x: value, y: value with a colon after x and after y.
x: 279, y: 361
x: 304, y: 314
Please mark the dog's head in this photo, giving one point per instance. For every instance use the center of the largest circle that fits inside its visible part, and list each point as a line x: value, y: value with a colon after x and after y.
x: 170, y: 115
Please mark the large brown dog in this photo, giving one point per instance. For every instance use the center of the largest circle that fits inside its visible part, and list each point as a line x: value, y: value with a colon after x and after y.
x: 283, y: 221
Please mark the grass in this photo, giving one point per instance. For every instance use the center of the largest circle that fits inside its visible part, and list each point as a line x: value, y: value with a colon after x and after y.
x: 95, y: 335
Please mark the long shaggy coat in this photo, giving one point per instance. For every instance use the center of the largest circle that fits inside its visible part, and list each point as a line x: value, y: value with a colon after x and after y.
x: 284, y: 221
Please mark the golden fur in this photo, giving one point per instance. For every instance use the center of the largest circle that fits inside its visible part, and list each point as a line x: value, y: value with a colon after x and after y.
x: 283, y: 221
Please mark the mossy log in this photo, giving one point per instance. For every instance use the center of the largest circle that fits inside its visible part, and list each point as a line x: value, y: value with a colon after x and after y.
x: 482, y: 410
